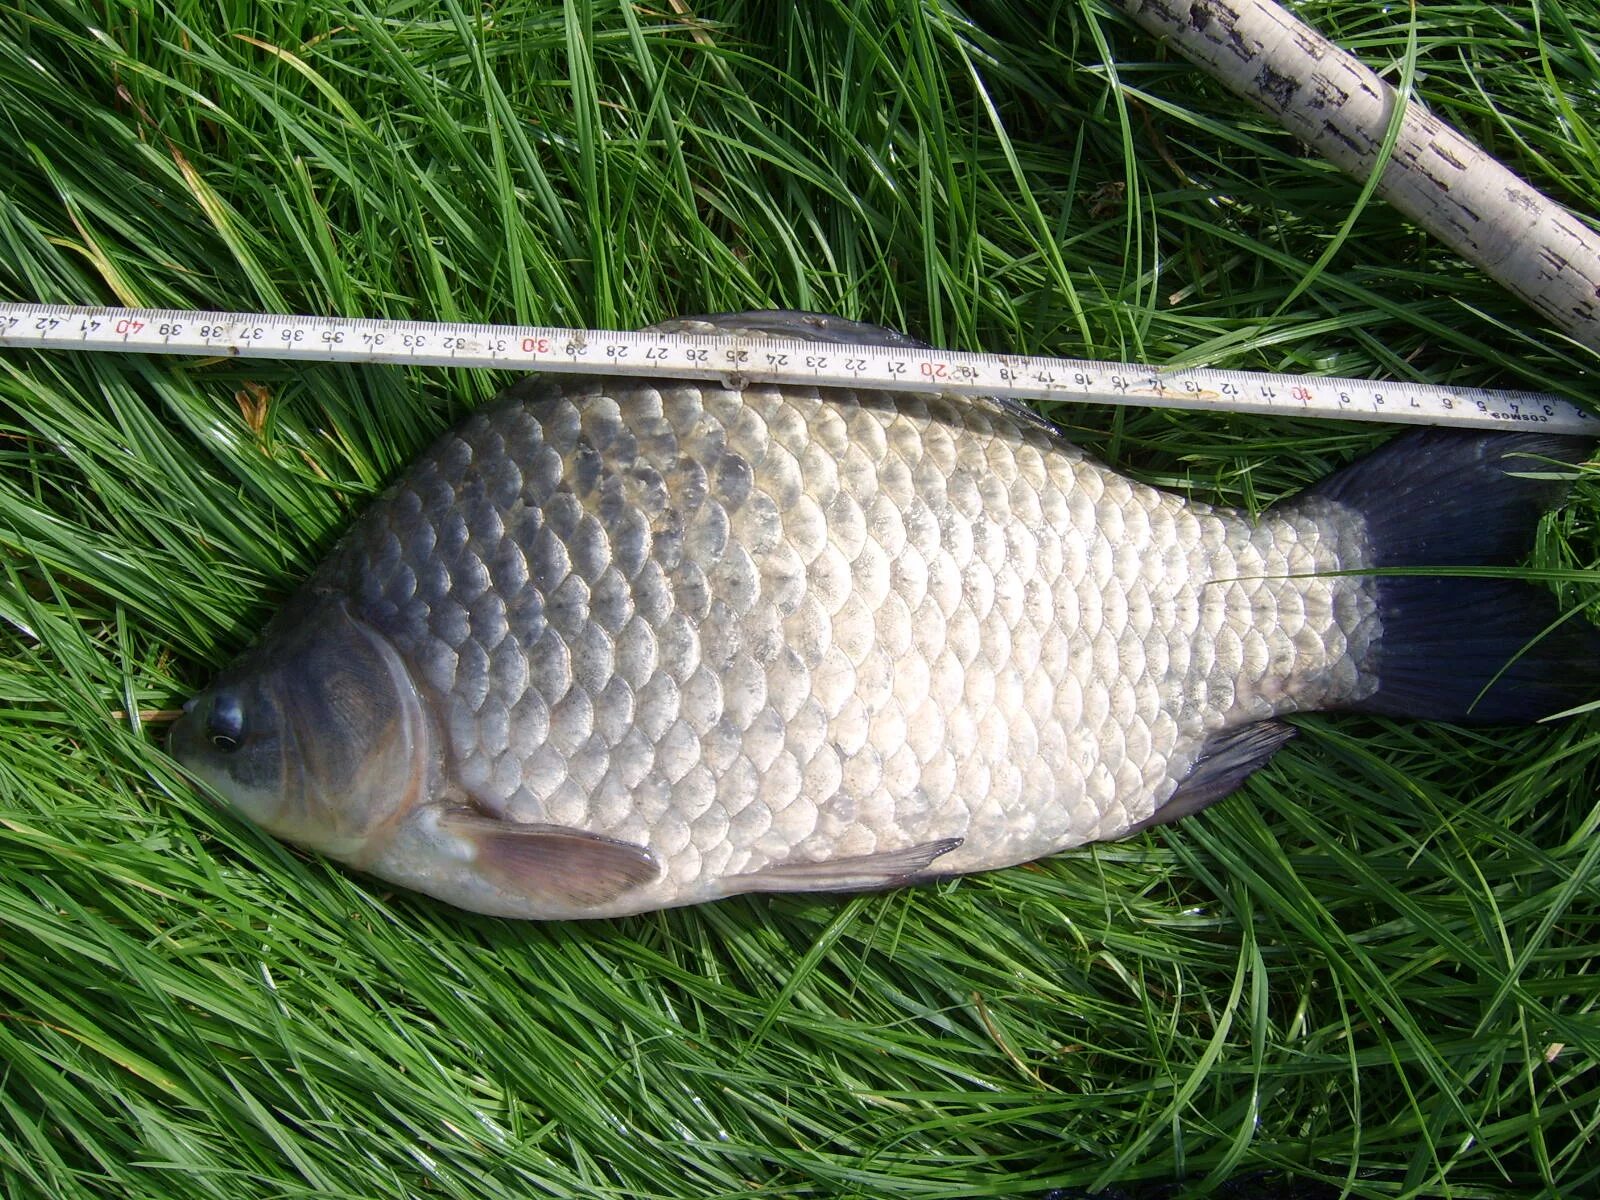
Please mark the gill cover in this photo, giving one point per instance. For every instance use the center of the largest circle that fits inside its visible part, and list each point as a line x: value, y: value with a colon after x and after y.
x: 317, y: 735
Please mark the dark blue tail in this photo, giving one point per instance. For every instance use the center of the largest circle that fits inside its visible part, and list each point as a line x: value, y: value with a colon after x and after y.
x: 1461, y: 648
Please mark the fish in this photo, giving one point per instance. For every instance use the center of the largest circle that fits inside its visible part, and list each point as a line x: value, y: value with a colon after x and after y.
x: 621, y: 644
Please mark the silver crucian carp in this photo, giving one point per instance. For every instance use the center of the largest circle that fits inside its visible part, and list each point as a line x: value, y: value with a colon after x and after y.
x: 617, y: 645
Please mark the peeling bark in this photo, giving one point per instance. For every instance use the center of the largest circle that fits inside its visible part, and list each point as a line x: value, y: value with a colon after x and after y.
x: 1442, y: 180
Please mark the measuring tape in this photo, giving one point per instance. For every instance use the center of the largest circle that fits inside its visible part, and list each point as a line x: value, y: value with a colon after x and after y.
x: 738, y: 361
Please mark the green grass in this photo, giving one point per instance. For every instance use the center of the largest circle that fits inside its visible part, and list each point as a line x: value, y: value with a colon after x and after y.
x: 1377, y: 965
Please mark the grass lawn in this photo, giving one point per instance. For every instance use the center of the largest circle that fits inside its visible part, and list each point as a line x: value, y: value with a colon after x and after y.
x: 1376, y: 965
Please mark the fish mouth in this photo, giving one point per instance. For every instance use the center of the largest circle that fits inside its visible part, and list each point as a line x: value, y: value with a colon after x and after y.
x: 180, y: 736
x: 187, y: 744
x: 186, y: 747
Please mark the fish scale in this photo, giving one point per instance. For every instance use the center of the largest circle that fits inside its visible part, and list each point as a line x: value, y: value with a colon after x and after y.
x: 614, y: 645
x: 959, y: 627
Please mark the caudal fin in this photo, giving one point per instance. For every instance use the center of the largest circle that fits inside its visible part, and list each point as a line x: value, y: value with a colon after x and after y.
x: 1461, y: 648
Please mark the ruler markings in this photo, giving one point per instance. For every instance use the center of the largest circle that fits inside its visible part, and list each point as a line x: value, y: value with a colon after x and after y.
x: 741, y: 361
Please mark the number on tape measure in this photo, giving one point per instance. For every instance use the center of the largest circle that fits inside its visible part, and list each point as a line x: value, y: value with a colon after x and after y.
x: 741, y: 361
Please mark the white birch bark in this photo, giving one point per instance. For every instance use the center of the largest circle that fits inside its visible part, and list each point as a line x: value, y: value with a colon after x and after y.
x: 1435, y: 175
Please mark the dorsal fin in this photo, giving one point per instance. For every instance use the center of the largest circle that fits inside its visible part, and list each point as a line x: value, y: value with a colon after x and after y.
x: 821, y: 327
x: 791, y: 323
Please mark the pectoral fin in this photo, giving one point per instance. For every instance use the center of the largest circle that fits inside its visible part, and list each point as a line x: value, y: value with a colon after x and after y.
x: 862, y: 873
x: 565, y: 867
x: 1225, y: 761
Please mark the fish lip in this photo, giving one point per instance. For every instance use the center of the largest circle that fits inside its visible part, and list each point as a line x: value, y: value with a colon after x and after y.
x: 180, y: 739
x: 180, y: 734
x: 180, y: 747
x: 175, y: 732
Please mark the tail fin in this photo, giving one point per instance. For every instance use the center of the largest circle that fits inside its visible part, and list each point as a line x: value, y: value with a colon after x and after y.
x: 1456, y: 648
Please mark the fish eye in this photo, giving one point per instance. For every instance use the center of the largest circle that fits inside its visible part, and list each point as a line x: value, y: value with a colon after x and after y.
x: 225, y: 722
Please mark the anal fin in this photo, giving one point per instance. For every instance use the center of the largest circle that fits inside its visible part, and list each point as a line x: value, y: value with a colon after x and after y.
x: 1225, y: 761
x: 861, y: 873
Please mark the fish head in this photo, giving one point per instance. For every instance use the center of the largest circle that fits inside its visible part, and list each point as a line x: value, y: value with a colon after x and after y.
x: 317, y: 734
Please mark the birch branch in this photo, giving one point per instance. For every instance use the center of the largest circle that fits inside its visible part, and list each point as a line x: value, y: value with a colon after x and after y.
x: 1439, y: 178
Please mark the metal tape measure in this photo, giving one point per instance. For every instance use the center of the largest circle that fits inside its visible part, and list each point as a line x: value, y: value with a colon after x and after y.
x: 739, y: 361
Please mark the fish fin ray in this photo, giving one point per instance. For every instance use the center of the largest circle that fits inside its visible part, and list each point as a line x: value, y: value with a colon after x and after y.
x: 1452, y: 497
x: 860, y: 873
x: 823, y: 328
x: 1225, y: 761
x: 1467, y: 649
x: 1479, y: 652
x: 790, y: 323
x: 554, y: 863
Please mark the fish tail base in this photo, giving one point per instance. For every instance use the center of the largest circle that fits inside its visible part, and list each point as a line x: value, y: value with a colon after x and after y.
x: 1466, y: 648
